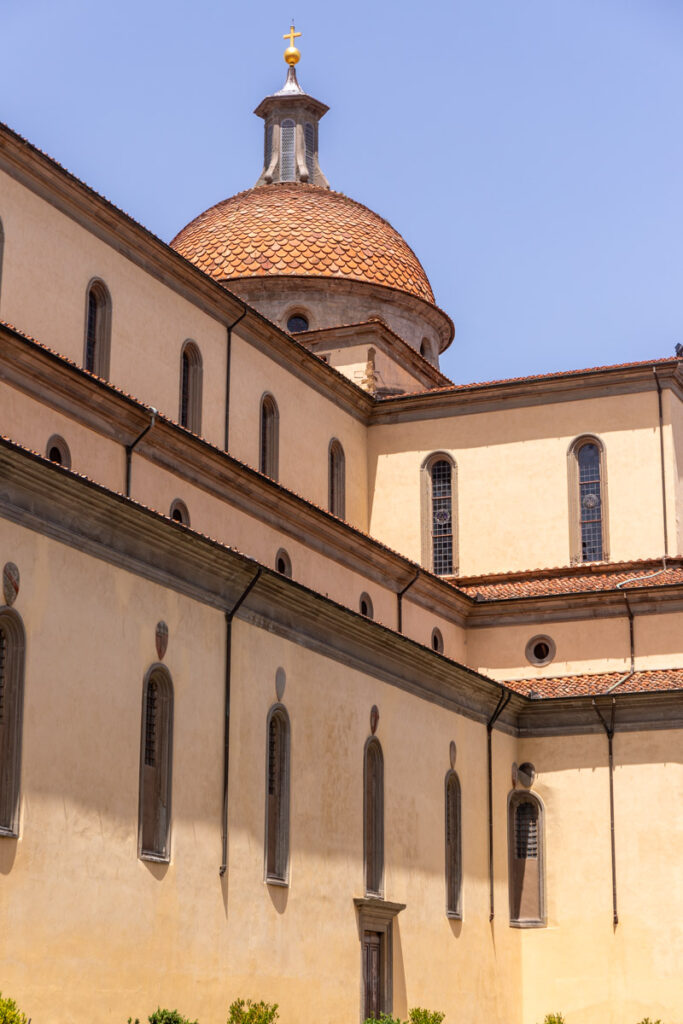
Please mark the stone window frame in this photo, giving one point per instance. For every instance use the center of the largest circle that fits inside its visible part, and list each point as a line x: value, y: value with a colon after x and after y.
x: 377, y: 915
x: 12, y: 626
x: 575, y: 545
x: 281, y: 849
x: 57, y: 442
x: 373, y: 871
x: 426, y: 539
x: 366, y: 600
x: 102, y: 341
x: 453, y: 872
x: 178, y: 506
x: 336, y: 487
x: 515, y: 798
x: 269, y: 436
x: 283, y: 555
x: 192, y: 382
x: 437, y: 643
x: 297, y: 310
x: 538, y: 639
x: 163, y: 782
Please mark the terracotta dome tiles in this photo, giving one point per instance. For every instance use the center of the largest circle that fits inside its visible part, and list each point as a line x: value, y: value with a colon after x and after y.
x: 296, y: 229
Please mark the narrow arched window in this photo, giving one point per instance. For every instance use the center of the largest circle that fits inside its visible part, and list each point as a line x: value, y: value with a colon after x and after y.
x: 365, y: 606
x: 179, y: 512
x: 277, y: 797
x: 309, y: 139
x: 283, y: 563
x: 373, y: 818
x: 453, y: 847
x: 438, y: 505
x: 97, y: 329
x: 287, y: 150
x: 155, y: 765
x: 526, y: 859
x: 191, y: 387
x: 269, y: 440
x: 58, y: 451
x: 437, y: 640
x: 337, y: 480
x: 12, y: 647
x: 588, y: 500
x: 2, y: 252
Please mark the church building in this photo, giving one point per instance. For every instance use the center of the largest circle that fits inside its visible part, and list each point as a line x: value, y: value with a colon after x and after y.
x: 324, y: 680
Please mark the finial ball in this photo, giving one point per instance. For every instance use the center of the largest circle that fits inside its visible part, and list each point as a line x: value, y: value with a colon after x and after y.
x: 292, y: 55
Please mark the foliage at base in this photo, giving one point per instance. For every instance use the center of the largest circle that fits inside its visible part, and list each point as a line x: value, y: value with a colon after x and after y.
x: 10, y: 1013
x: 252, y: 1013
x: 554, y: 1018
x: 415, y: 1016
x: 164, y: 1017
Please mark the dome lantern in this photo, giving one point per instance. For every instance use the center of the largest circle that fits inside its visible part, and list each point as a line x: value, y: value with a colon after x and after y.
x: 291, y: 129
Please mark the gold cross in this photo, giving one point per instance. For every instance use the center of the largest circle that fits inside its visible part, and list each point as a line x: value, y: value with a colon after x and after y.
x: 291, y: 35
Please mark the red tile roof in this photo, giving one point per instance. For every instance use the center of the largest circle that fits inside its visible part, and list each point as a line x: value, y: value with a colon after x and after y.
x: 642, y: 681
x: 293, y: 229
x: 576, y: 579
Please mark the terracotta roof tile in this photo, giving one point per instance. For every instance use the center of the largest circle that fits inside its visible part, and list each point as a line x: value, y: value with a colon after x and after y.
x: 293, y: 229
x: 643, y: 681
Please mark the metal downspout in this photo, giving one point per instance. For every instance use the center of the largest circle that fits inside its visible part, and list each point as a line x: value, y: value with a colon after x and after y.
x: 132, y: 446
x: 500, y: 707
x: 609, y: 730
x: 399, y: 599
x: 231, y: 327
x: 226, y: 739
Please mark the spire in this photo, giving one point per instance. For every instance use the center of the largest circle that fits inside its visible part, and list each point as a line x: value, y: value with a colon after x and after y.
x: 291, y: 128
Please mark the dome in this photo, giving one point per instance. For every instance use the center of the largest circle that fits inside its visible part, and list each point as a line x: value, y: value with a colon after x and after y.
x: 293, y: 229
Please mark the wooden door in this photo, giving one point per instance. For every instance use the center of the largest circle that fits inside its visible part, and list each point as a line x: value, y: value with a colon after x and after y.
x: 372, y: 974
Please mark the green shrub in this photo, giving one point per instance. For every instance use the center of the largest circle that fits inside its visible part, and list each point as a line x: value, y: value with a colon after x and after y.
x: 163, y: 1017
x: 384, y: 1018
x: 646, y: 1020
x: 419, y: 1016
x: 554, y: 1018
x: 9, y: 1013
x: 252, y: 1013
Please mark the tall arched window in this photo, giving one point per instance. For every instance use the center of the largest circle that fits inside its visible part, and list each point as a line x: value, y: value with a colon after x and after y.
x: 587, y: 500
x: 526, y: 859
x: 337, y: 479
x: 269, y: 440
x: 97, y: 329
x: 2, y: 251
x: 309, y: 140
x: 277, y: 797
x: 287, y: 150
x: 12, y: 647
x: 438, y: 514
x: 156, y: 750
x: 373, y: 818
x: 453, y: 847
x: 191, y: 387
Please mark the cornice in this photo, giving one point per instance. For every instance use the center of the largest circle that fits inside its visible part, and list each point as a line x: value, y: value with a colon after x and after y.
x: 594, y: 604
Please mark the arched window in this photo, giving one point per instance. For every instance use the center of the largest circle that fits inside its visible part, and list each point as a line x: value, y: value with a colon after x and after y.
x: 277, y: 797
x: 269, y: 440
x: 156, y: 749
x: 191, y: 387
x: 309, y: 139
x: 179, y: 513
x: 296, y: 323
x: 438, y: 514
x: 453, y: 847
x: 287, y: 150
x: 437, y: 640
x: 526, y: 859
x: 587, y: 500
x: 283, y: 563
x: 373, y: 818
x: 426, y: 350
x: 2, y: 251
x: 12, y: 647
x: 365, y: 606
x: 58, y: 451
x: 337, y: 479
x: 97, y: 329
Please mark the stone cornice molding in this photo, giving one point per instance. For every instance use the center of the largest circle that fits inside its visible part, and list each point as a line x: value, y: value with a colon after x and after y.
x: 56, y: 502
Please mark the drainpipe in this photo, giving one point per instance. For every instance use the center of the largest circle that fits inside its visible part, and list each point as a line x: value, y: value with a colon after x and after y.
x: 399, y: 598
x: 661, y: 457
x: 134, y: 444
x: 609, y: 731
x: 226, y: 740
x: 505, y: 697
x: 231, y: 327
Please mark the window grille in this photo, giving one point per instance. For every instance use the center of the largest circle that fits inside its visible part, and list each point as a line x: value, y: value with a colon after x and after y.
x: 97, y: 329
x: 268, y: 147
x: 12, y: 644
x: 309, y: 138
x: 374, y: 818
x: 277, y: 797
x: 3, y: 658
x: 151, y: 725
x: 590, y: 503
x: 337, y: 480
x: 91, y: 331
x: 526, y: 831
x: 442, y: 517
x: 268, y: 462
x: 453, y: 845
x: 287, y: 151
x: 185, y: 389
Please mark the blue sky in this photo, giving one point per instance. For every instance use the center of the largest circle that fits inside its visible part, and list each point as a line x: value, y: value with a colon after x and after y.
x: 530, y: 151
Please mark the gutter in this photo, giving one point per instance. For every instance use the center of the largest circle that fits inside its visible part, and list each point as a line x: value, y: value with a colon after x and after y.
x: 231, y: 327
x: 503, y: 701
x: 229, y: 616
x: 130, y: 448
x: 609, y: 731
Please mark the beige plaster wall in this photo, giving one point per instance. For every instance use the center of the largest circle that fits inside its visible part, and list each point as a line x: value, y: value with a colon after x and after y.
x: 512, y: 480
x: 581, y: 964
x: 80, y: 906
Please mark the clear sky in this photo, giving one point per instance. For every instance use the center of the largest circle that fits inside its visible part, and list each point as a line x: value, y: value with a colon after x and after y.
x: 530, y: 151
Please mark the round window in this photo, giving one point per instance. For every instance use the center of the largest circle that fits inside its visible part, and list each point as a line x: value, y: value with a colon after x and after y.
x: 540, y: 650
x: 297, y: 323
